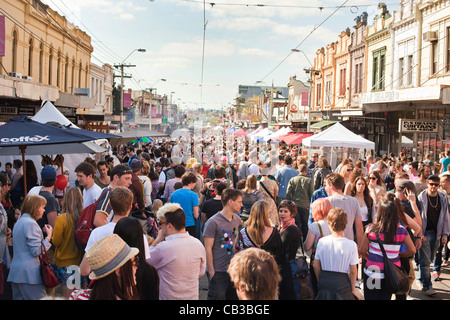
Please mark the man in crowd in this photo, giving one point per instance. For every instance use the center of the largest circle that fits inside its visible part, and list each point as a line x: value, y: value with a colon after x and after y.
x: 121, y: 199
x: 120, y: 176
x: 136, y: 185
x: 85, y: 177
x: 435, y: 228
x: 169, y: 186
x: 103, y: 180
x: 300, y: 190
x: 283, y: 176
x: 131, y: 154
x: 188, y: 200
x: 220, y: 236
x: 177, y: 255
x: 52, y: 208
x: 421, y: 182
x: 255, y: 274
x: 334, y: 184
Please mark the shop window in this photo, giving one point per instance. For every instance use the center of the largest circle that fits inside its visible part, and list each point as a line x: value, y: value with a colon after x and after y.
x: 378, y: 70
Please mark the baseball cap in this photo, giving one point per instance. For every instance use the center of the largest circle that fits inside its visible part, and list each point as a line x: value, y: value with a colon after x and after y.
x: 136, y: 165
x: 48, y: 173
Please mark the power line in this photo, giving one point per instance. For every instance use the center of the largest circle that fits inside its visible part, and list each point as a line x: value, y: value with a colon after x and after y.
x: 261, y: 5
x: 312, y: 31
x: 112, y: 54
x: 203, y: 50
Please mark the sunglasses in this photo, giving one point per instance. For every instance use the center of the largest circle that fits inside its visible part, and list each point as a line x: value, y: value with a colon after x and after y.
x: 434, y: 184
x: 125, y: 172
x: 286, y: 201
x: 161, y: 222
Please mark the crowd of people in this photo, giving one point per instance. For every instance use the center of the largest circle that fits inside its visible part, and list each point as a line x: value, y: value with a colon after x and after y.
x: 162, y: 221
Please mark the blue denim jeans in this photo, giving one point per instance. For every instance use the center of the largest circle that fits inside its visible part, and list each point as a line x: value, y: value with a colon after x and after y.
x: 426, y: 257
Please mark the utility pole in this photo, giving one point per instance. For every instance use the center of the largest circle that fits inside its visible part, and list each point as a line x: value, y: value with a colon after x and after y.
x: 150, y: 111
x: 122, y: 76
x: 121, y: 66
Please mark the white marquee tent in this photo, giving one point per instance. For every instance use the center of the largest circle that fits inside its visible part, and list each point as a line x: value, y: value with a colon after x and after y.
x: 338, y: 136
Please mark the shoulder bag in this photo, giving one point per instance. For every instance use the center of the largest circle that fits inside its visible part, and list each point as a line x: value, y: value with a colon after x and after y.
x: 301, y: 275
x: 396, y: 279
x: 49, y: 279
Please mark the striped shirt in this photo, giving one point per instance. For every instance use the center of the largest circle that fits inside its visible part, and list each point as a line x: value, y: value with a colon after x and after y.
x: 104, y: 204
x: 375, y: 261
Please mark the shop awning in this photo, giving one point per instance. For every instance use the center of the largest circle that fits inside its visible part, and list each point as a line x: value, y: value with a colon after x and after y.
x: 294, y: 137
x: 321, y: 124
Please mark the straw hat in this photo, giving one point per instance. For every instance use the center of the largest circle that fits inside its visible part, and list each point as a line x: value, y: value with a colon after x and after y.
x: 107, y: 255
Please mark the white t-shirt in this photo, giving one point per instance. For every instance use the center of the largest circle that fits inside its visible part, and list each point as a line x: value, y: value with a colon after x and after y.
x: 351, y: 207
x: 35, y: 190
x: 162, y: 177
x: 106, y: 230
x: 254, y: 169
x: 91, y: 195
x: 337, y: 254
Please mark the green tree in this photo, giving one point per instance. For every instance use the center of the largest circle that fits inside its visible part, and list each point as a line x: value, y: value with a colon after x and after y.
x: 116, y: 99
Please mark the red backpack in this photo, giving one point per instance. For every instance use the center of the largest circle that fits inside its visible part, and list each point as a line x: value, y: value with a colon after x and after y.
x: 85, y: 223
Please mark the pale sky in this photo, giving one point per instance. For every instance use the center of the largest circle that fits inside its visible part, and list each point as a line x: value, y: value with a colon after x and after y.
x: 244, y: 42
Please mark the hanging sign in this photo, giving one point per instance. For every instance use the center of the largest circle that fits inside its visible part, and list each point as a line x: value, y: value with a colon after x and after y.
x: 418, y: 126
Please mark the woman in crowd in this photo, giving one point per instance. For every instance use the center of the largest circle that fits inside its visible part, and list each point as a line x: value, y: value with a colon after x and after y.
x: 321, y: 173
x: 360, y: 191
x: 212, y: 206
x: 113, y: 263
x: 268, y: 188
x: 147, y: 279
x: 28, y: 241
x: 346, y: 171
x: 336, y: 261
x: 377, y: 188
x: 16, y: 190
x: 356, y: 172
x: 146, y: 182
x: 259, y: 232
x: 291, y: 236
x: 250, y: 194
x: 316, y: 230
x: 410, y: 218
x: 31, y: 175
x: 154, y: 178
x: 392, y: 234
x: 66, y: 253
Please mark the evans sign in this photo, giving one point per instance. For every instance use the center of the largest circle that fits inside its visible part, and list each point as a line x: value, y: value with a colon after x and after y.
x: 419, y: 126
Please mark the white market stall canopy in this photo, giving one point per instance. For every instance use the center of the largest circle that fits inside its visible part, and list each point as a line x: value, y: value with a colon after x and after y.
x: 260, y: 134
x: 49, y: 113
x: 338, y: 136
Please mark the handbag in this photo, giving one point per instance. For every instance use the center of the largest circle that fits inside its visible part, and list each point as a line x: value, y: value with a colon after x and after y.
x: 48, y: 276
x: 301, y: 275
x: 396, y: 279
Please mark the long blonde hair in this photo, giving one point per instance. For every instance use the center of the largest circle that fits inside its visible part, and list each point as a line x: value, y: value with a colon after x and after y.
x: 258, y: 221
x: 72, y: 203
x: 251, y: 184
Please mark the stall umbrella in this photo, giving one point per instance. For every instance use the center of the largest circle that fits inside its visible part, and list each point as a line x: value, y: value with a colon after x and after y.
x: 22, y: 131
